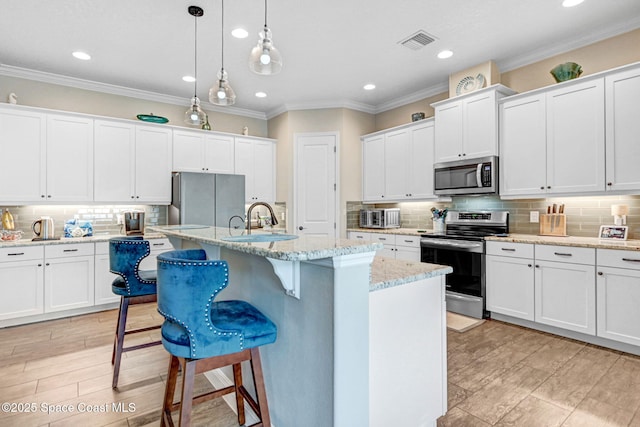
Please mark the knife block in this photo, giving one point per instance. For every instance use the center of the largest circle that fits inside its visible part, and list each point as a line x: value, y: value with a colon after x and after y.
x: 553, y: 225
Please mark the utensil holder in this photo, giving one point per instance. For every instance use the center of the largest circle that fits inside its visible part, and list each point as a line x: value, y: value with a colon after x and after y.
x: 553, y: 225
x: 439, y: 225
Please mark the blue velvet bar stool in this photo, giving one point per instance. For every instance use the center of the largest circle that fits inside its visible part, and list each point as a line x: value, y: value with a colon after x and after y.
x: 134, y: 286
x: 202, y: 335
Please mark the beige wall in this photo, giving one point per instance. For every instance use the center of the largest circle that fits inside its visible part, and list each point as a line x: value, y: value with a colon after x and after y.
x: 402, y: 115
x: 46, y: 95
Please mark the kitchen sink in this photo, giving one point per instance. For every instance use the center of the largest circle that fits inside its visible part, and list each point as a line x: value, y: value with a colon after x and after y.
x: 248, y: 238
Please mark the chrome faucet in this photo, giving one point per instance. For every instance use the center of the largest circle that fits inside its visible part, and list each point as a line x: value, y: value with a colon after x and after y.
x: 274, y: 220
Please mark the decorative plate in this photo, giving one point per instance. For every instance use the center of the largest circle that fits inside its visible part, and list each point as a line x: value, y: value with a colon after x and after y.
x: 151, y: 118
x: 470, y: 84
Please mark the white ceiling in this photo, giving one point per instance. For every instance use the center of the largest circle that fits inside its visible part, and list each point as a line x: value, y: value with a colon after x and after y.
x: 330, y: 48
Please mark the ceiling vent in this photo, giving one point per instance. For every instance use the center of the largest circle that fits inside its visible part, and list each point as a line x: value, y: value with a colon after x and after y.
x: 418, y: 40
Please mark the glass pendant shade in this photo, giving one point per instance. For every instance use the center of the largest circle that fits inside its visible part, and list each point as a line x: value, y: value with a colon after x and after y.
x: 221, y: 92
x: 265, y: 58
x: 194, y: 115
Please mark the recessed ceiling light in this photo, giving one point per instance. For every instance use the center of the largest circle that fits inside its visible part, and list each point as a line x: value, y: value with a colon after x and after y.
x: 189, y: 79
x: 81, y: 55
x: 445, y: 54
x: 571, y: 3
x: 369, y: 86
x: 261, y: 95
x: 240, y: 33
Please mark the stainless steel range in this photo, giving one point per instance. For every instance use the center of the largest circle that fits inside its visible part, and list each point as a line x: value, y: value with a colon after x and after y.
x: 462, y: 247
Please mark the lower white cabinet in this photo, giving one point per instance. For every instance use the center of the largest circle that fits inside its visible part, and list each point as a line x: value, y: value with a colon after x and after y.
x: 618, y: 295
x: 510, y: 279
x: 565, y: 287
x: 398, y: 246
x: 21, y: 282
x: 69, y: 276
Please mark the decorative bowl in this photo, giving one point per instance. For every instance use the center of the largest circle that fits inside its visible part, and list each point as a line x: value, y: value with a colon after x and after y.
x: 566, y: 71
x: 417, y: 116
x: 10, y: 235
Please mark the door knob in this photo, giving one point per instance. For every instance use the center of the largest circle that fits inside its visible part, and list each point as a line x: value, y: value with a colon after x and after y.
x: 301, y: 228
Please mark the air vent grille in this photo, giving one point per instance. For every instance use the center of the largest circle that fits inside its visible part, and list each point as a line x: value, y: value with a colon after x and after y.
x: 418, y: 40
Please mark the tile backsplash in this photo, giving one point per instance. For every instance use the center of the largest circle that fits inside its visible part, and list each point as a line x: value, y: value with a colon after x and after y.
x: 104, y: 219
x: 585, y: 215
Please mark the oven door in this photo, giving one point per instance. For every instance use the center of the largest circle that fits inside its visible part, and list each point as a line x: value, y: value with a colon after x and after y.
x: 465, y: 286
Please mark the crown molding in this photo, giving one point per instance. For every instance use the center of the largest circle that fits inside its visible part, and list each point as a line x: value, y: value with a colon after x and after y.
x: 352, y: 105
x: 414, y: 97
x: 41, y: 76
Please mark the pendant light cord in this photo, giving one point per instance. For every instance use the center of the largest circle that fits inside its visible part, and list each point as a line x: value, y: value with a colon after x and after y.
x: 222, y: 19
x: 265, y: 13
x: 195, y: 56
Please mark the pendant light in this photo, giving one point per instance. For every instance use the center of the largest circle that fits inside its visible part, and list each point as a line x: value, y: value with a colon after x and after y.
x: 194, y: 115
x: 221, y: 93
x: 265, y: 58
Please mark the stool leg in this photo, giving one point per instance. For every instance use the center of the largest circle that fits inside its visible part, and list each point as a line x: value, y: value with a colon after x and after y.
x: 261, y: 393
x: 186, y: 400
x: 237, y: 380
x: 172, y: 379
x: 119, y: 340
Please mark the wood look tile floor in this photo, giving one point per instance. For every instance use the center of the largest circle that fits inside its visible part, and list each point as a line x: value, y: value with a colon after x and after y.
x: 499, y: 374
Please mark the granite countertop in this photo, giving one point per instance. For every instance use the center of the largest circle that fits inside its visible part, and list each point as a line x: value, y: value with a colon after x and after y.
x: 584, y: 242
x: 389, y: 272
x: 399, y: 231
x: 70, y: 240
x: 303, y: 248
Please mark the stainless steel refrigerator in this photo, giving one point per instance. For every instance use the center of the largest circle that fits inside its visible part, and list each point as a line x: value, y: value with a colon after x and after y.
x: 206, y: 199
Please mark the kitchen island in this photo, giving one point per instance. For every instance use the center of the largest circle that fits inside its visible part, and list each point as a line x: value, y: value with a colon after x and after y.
x: 361, y: 339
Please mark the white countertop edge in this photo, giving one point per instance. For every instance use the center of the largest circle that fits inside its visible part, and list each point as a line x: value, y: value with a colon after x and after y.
x: 575, y: 241
x: 71, y: 240
x: 388, y: 272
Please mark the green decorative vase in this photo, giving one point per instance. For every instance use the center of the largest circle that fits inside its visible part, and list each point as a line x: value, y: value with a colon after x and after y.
x: 566, y: 71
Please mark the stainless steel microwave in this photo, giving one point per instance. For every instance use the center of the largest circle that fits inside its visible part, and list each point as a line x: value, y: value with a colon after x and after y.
x: 472, y: 176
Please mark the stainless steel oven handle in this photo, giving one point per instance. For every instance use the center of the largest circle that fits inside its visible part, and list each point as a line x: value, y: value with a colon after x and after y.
x: 450, y: 244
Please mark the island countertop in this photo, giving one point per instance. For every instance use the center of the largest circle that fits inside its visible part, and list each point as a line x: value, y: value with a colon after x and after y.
x: 389, y: 272
x: 303, y: 248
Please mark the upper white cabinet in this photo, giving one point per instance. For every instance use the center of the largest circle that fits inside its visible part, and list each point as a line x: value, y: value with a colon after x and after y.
x: 22, y: 142
x: 133, y: 163
x: 256, y: 160
x: 398, y: 164
x: 49, y: 157
x: 622, y: 102
x: 467, y: 126
x: 199, y: 151
x: 553, y: 142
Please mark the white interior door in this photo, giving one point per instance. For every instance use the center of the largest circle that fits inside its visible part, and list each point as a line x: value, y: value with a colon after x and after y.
x: 315, y: 184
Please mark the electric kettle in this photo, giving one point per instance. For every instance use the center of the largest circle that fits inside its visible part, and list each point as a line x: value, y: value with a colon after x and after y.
x: 44, y: 228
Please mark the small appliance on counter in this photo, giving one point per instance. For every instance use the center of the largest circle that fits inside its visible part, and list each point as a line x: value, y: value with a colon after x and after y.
x: 45, y: 229
x: 134, y: 223
x: 380, y: 218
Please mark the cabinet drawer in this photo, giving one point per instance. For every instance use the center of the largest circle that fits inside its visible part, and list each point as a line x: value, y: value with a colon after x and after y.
x: 21, y: 253
x: 619, y: 259
x: 566, y: 254
x: 66, y: 250
x: 387, y: 239
x: 408, y: 241
x: 359, y: 235
x: 517, y: 250
x: 160, y: 245
x: 102, y: 248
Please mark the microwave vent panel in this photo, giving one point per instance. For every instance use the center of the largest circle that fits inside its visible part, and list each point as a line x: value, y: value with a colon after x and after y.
x: 418, y: 40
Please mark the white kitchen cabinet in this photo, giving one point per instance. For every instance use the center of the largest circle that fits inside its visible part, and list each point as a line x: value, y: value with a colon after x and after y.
x: 69, y: 276
x: 622, y: 110
x: 510, y: 279
x: 398, y: 246
x: 359, y: 235
x: 373, y: 168
x: 21, y: 281
x: 157, y: 247
x: 256, y: 160
x: 398, y: 164
x: 22, y: 140
x: 467, y: 126
x: 133, y: 163
x: 565, y: 288
x: 552, y: 141
x: 207, y: 152
x: 69, y: 159
x: 575, y: 138
x: 618, y: 295
x: 523, y: 141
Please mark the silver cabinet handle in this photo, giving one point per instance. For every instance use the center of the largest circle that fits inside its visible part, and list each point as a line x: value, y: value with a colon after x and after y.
x: 631, y: 259
x: 562, y: 254
x: 69, y: 250
x: 508, y: 249
x: 16, y: 254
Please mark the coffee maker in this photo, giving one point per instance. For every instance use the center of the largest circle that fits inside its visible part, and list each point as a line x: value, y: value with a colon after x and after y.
x: 134, y: 223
